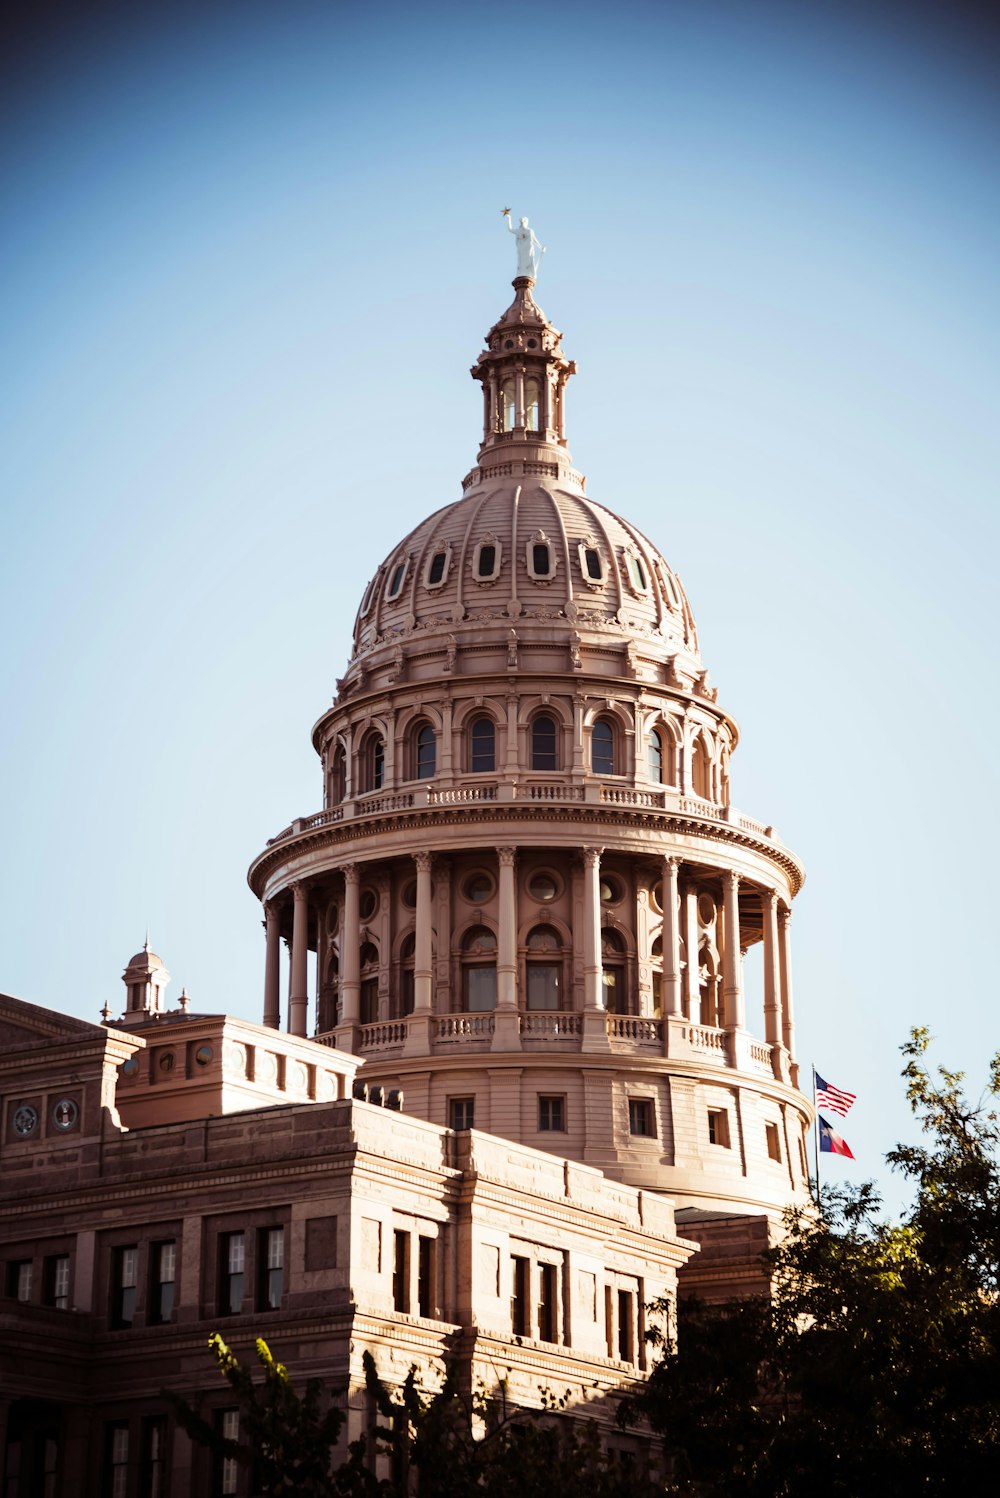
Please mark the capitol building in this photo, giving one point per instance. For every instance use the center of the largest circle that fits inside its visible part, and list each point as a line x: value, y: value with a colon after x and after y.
x: 507, y: 1087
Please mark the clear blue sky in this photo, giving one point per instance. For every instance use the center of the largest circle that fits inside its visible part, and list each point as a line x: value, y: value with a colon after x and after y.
x: 248, y: 254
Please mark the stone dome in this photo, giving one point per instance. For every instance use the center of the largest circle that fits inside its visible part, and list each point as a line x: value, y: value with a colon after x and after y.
x: 145, y: 959
x: 526, y: 549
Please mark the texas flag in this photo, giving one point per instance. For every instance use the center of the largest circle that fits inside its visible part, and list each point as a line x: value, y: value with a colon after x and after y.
x: 830, y: 1142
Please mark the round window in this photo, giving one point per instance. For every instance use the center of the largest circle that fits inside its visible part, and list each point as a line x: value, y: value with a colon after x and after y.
x: 543, y: 886
x: 166, y: 1062
x: 656, y: 896
x: 478, y: 887
x: 203, y: 1055
x: 409, y: 896
x: 706, y: 910
x: 612, y: 889
x: 130, y: 1068
x: 368, y: 904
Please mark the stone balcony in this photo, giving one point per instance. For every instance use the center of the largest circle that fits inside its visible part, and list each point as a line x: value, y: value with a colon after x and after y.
x: 562, y: 1032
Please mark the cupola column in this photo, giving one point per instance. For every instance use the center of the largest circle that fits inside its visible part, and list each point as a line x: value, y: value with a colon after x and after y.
x: 298, y: 994
x: 772, y: 970
x: 592, y: 965
x: 423, y: 956
x: 787, y: 1016
x: 507, y: 935
x: 692, y: 975
x: 272, y: 967
x: 671, y: 939
x: 732, y: 992
x: 350, y: 949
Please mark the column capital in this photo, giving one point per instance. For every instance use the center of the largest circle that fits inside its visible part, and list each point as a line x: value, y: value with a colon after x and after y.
x: 592, y: 856
x: 423, y: 861
x: 300, y: 890
x: 350, y: 873
x: 784, y: 912
x: 671, y: 861
x: 507, y: 857
x: 769, y: 898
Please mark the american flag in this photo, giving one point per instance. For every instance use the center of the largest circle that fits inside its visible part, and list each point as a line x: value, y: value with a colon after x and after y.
x: 828, y: 1096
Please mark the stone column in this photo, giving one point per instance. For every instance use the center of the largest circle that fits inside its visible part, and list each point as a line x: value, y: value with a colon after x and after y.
x: 298, y: 994
x: 772, y: 971
x: 732, y: 989
x: 692, y: 981
x: 787, y: 1015
x: 272, y: 967
x: 672, y: 1005
x: 593, y: 997
x: 506, y: 1021
x: 423, y: 956
x: 350, y: 949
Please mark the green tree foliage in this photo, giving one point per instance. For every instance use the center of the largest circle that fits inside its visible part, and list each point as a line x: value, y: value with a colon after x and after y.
x: 436, y: 1444
x: 875, y: 1367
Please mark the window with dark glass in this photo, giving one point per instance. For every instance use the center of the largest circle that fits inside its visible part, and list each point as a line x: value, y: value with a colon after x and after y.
x: 626, y: 1338
x: 654, y: 754
x: 164, y: 1272
x: 482, y: 746
x: 124, y: 1272
x: 407, y: 982
x: 270, y: 1268
x: 153, y: 1457
x: 479, y: 970
x: 368, y: 959
x: 487, y: 561
x: 401, y: 1270
x: 519, y: 1307
x: 773, y: 1141
x: 718, y: 1127
x: 56, y: 1281
x: 425, y: 1275
x: 592, y: 557
x: 551, y: 1115
x: 541, y: 560
x: 602, y: 748
x: 640, y: 1117
x: 396, y: 580
x: 543, y: 968
x: 636, y: 572
x: 373, y: 763
x: 547, y: 1302
x: 544, y: 744
x: 462, y: 1113
x: 232, y: 1266
x: 613, y: 972
x: 338, y: 777
x: 435, y: 571
x: 20, y: 1279
x: 426, y: 752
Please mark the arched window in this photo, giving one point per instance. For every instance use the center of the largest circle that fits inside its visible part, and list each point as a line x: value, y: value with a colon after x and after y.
x: 701, y: 769
x: 654, y: 757
x: 532, y: 404
x: 396, y: 577
x: 407, y: 954
x: 656, y: 958
x: 479, y: 970
x: 326, y: 1016
x: 486, y: 559
x: 424, y: 753
x: 544, y: 969
x: 369, y: 983
x: 372, y: 763
x: 602, y: 747
x: 544, y: 743
x: 482, y: 746
x: 338, y: 776
x: 708, y: 986
x: 613, y: 972
x: 508, y: 407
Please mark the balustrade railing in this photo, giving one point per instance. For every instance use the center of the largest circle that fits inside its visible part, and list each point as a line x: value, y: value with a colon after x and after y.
x: 464, y: 1027
x: 548, y: 1024
x: 380, y: 1036
x: 614, y: 795
x: 707, y: 1038
x: 458, y: 795
x: 635, y: 1028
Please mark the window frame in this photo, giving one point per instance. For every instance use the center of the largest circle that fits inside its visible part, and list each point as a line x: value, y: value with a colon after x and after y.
x: 478, y: 575
x: 536, y: 752
x: 462, y: 1113
x: 609, y: 744
x: 439, y: 551
x: 552, y: 1113
x: 423, y: 748
x: 398, y: 569
x: 718, y: 1128
x: 482, y: 720
x: 642, y: 1118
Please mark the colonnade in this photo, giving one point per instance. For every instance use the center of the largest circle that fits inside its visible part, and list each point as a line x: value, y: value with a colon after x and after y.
x: 681, y: 980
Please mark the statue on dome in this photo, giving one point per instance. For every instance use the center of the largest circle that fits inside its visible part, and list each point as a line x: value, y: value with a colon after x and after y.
x: 527, y: 245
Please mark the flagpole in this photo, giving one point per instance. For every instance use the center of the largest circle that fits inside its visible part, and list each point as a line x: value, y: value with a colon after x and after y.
x: 819, y: 1192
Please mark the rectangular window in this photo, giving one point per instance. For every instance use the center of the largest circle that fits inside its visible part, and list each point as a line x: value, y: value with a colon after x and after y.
x: 56, y: 1281
x: 153, y: 1457
x: 401, y: 1270
x: 271, y: 1269
x: 116, y: 1460
x: 773, y: 1141
x: 718, y: 1127
x: 20, y: 1278
x: 369, y: 1001
x: 551, y: 1115
x: 519, y: 1308
x: 462, y: 1113
x: 164, y: 1263
x: 125, y: 1265
x: 640, y: 1117
x: 232, y: 1263
x: 547, y: 1302
x: 227, y: 1423
x: 543, y: 985
x: 425, y: 1276
x: 626, y: 1338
